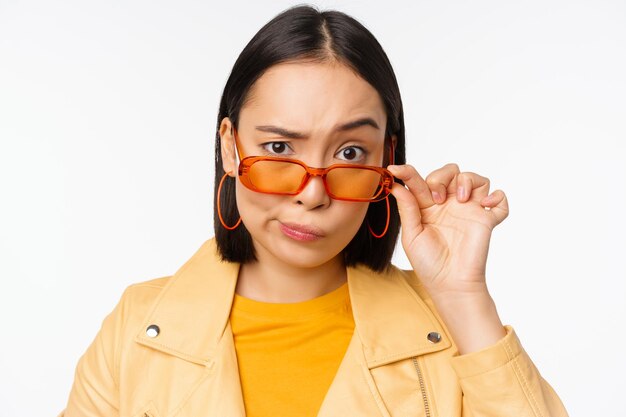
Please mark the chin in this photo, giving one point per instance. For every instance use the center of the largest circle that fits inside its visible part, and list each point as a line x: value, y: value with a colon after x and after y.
x: 301, y: 254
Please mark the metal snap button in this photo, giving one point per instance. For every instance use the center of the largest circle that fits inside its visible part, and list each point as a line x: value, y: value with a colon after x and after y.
x: 153, y: 330
x: 434, y: 337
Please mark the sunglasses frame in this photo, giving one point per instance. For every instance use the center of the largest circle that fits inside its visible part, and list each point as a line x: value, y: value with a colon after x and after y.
x: 245, y: 163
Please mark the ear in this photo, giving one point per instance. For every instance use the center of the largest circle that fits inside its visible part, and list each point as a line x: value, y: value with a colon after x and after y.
x: 394, y: 143
x: 227, y: 145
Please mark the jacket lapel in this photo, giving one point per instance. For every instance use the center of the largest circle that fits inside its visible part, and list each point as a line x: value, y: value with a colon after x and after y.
x: 192, y: 311
x: 393, y: 321
x: 352, y: 391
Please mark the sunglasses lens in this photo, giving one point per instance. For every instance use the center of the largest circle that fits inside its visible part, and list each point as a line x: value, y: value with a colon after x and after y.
x: 354, y: 183
x: 276, y: 176
x: 284, y: 177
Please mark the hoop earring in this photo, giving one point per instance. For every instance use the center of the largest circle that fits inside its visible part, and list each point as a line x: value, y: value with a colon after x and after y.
x: 219, y: 211
x: 386, y: 223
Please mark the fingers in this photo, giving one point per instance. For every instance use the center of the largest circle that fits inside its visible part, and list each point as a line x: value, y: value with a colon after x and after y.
x: 497, y: 204
x: 409, y: 211
x: 442, y: 181
x: 414, y: 181
x: 439, y: 184
x: 411, y: 199
x: 469, y: 184
x: 449, y: 180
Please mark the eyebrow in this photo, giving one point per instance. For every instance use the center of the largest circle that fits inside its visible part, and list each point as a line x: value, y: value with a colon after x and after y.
x: 366, y: 121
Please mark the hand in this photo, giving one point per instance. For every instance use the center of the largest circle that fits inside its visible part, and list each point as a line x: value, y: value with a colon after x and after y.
x: 447, y: 221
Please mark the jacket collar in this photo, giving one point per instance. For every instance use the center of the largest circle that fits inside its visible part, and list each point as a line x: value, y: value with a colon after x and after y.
x: 193, y: 309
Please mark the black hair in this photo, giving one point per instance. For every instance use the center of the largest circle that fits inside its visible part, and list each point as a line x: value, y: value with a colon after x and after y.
x: 303, y: 33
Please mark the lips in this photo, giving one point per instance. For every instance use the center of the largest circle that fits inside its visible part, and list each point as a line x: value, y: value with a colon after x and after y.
x: 301, y: 231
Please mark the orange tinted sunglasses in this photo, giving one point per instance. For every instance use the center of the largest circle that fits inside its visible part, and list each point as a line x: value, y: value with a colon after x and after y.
x: 285, y: 176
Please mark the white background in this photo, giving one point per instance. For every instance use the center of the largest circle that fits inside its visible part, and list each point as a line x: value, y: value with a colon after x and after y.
x: 108, y: 113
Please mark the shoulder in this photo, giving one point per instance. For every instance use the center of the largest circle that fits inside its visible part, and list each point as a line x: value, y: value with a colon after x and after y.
x: 138, y: 297
x: 148, y: 286
x: 411, y: 278
x: 414, y: 282
x: 406, y: 278
x: 135, y: 302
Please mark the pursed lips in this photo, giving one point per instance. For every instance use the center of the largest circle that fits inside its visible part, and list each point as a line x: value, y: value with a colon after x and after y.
x: 303, y: 231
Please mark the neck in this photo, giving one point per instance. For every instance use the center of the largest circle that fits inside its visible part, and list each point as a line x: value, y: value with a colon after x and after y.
x: 273, y: 281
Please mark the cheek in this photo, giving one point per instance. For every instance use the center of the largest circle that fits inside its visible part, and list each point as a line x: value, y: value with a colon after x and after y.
x: 349, y: 216
x: 254, y: 207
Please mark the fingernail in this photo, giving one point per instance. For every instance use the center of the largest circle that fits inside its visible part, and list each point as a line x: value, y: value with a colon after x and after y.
x: 461, y: 192
x: 436, y: 196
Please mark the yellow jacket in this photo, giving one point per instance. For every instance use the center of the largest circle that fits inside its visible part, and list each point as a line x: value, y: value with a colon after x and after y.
x: 400, y: 360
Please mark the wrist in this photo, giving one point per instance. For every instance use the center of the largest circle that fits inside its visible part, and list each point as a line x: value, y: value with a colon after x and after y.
x: 471, y: 319
x: 467, y: 293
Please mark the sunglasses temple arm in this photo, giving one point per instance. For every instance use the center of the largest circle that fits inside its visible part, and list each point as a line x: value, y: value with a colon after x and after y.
x: 238, y: 155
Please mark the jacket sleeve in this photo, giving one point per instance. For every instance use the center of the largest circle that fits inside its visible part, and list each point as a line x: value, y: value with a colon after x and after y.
x: 95, y: 391
x: 501, y: 380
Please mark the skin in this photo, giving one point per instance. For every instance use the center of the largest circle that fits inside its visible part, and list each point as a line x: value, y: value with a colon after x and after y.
x: 447, y: 218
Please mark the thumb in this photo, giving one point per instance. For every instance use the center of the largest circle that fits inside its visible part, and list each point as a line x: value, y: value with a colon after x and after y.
x: 500, y: 206
x: 410, y: 215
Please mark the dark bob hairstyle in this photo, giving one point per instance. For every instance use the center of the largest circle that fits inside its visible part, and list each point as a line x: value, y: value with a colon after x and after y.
x: 303, y: 33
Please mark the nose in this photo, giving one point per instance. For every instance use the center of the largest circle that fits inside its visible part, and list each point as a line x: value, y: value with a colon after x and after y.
x: 314, y: 194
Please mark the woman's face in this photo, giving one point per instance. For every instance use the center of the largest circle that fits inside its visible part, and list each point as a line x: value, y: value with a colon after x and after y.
x: 312, y: 99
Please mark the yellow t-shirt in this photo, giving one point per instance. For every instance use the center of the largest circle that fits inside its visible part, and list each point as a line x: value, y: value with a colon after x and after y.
x: 289, y: 353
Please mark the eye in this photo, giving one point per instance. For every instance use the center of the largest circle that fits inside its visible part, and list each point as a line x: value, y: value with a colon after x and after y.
x: 276, y: 148
x: 352, y: 153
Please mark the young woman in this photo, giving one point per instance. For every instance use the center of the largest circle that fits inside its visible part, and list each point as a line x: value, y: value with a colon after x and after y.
x: 294, y: 308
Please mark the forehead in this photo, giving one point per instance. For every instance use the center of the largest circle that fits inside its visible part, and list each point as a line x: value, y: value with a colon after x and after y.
x: 312, y: 97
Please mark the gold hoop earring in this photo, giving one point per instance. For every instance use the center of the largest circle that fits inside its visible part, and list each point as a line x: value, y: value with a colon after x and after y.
x: 219, y: 211
x: 386, y: 223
